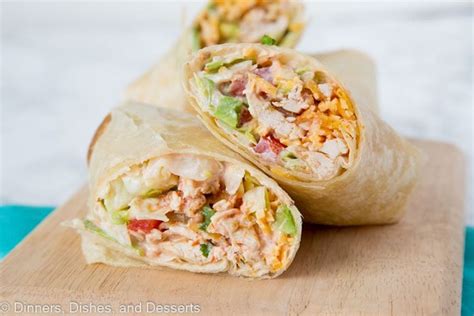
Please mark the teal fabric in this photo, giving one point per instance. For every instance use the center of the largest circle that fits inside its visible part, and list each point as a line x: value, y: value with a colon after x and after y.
x: 467, y: 307
x: 17, y: 221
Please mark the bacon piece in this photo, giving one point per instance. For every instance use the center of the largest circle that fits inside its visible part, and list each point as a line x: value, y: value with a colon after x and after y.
x: 244, y: 117
x: 269, y: 144
x: 237, y: 86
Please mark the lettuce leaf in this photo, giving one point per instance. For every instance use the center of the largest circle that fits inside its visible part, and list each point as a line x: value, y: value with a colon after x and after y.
x: 228, y: 111
x: 120, y: 217
x: 90, y: 226
x: 284, y: 220
x: 95, y: 229
x: 205, y: 85
x: 291, y: 161
x: 117, y: 197
x: 213, y: 65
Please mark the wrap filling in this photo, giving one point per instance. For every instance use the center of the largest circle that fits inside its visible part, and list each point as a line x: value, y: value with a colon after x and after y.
x: 291, y: 116
x: 185, y: 208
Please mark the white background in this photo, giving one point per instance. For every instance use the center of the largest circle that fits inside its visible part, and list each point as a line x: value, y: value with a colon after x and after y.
x: 65, y: 64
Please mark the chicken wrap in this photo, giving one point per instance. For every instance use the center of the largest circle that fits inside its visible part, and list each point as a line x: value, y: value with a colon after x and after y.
x: 287, y: 114
x: 221, y: 21
x: 164, y: 192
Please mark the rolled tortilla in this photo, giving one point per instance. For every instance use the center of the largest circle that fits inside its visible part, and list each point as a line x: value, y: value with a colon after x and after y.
x: 221, y: 21
x: 164, y: 192
x: 287, y: 114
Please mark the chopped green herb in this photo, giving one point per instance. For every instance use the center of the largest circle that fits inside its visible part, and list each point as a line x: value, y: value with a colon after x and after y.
x: 228, y: 111
x: 207, y: 213
x: 267, y: 40
x: 284, y: 220
x: 205, y: 249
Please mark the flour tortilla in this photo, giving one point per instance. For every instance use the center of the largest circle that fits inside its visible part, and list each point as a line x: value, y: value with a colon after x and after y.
x: 134, y: 133
x: 375, y: 187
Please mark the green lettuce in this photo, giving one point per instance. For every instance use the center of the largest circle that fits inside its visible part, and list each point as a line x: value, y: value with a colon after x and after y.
x: 247, y: 133
x: 284, y: 220
x: 120, y: 217
x: 95, y: 229
x: 206, y: 86
x: 228, y: 110
x: 90, y: 226
x: 291, y: 161
x: 213, y: 65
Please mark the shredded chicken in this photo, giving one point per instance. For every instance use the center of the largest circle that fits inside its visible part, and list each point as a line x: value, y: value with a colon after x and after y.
x: 196, y: 221
x: 288, y: 114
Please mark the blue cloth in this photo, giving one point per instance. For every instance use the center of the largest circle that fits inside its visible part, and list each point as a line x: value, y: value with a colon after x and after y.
x: 17, y: 221
x: 467, y: 307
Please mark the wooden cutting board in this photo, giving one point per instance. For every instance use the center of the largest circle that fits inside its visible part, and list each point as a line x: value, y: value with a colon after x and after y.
x: 413, y: 267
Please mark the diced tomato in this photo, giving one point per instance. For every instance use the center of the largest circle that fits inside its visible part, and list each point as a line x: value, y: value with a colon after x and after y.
x: 144, y: 225
x: 269, y: 144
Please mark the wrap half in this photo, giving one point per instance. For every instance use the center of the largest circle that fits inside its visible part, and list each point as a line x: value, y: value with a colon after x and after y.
x: 165, y: 192
x: 221, y: 21
x: 287, y: 114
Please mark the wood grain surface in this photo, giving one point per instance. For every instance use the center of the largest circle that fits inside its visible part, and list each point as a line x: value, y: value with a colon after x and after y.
x: 413, y: 267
